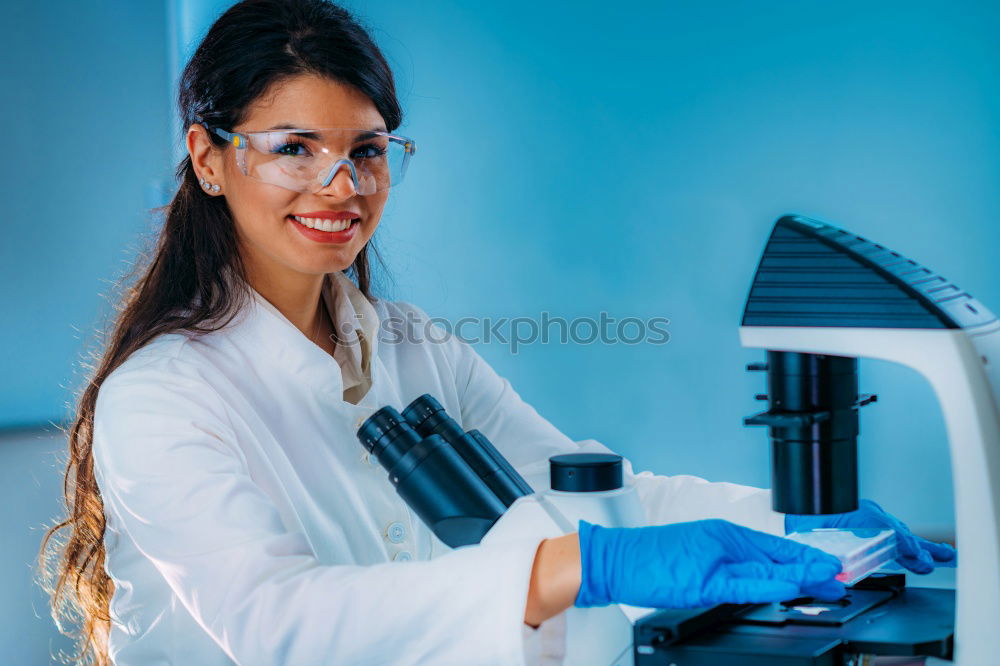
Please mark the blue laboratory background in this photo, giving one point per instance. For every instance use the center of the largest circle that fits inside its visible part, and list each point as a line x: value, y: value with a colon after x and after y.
x: 574, y: 158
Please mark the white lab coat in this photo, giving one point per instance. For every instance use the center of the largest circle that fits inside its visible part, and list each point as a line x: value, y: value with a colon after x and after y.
x: 246, y: 523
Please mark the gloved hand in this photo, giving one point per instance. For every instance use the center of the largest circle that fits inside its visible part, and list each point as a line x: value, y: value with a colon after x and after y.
x: 915, y: 553
x: 703, y: 563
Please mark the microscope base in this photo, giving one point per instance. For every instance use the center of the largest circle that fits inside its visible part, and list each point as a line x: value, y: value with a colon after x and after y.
x: 880, y: 617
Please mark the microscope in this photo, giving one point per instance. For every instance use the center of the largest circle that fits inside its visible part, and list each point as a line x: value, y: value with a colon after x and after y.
x: 821, y: 298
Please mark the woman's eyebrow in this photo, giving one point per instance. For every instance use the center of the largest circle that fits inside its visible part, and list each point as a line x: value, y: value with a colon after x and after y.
x: 365, y: 134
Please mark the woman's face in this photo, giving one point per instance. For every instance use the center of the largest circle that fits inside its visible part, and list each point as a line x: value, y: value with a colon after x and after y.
x: 276, y: 247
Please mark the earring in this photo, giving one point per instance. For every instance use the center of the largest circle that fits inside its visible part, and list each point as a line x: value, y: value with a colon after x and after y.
x: 214, y: 187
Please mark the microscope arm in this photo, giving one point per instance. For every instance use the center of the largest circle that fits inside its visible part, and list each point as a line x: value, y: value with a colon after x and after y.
x: 962, y: 368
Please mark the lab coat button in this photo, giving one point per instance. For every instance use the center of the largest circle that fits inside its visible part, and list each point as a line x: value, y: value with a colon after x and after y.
x: 396, y: 532
x: 402, y: 556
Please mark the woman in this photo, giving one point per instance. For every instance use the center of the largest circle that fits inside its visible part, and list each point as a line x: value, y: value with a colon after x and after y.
x: 220, y: 506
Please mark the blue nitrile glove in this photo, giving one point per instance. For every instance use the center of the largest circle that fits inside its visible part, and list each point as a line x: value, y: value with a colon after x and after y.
x: 915, y: 553
x: 703, y: 563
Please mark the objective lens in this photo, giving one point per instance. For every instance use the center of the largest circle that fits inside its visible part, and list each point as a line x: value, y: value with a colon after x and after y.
x: 814, y: 464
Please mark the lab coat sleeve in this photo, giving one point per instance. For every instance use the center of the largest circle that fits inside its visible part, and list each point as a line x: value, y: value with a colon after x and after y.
x: 172, y: 477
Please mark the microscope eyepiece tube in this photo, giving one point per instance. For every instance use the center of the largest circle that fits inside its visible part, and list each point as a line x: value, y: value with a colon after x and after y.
x: 504, y: 480
x: 387, y: 436
x: 450, y: 498
x: 428, y: 417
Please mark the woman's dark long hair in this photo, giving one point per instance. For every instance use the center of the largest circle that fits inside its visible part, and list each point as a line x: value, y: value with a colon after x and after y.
x: 182, y: 284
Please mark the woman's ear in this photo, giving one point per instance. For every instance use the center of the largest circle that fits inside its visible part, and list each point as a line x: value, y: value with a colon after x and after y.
x: 206, y: 159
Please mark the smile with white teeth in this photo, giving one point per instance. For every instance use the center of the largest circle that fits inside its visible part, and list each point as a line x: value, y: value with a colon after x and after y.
x: 323, y: 224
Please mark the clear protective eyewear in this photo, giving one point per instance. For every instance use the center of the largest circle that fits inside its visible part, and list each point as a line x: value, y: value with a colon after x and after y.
x: 307, y: 160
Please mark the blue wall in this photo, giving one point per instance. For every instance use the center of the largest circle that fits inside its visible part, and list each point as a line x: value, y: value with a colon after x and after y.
x: 85, y: 118
x: 631, y: 158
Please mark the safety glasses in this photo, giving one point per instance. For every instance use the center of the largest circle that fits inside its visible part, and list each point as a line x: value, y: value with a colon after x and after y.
x: 307, y: 160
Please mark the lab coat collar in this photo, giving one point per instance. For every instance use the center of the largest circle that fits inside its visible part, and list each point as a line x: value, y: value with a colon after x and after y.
x: 357, y: 325
x: 274, y: 340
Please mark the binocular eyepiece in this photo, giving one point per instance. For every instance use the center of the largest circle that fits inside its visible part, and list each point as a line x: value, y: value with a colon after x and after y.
x: 456, y: 481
